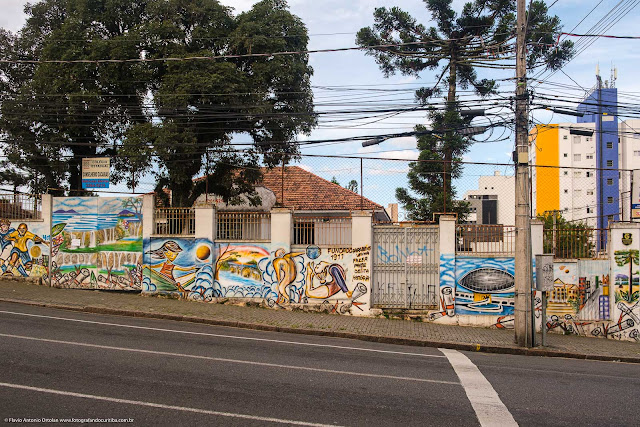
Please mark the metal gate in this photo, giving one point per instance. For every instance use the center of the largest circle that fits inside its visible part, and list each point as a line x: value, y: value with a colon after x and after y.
x: 406, y: 266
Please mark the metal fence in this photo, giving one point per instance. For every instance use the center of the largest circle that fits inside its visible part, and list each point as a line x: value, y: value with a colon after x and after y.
x: 243, y: 226
x: 20, y: 206
x: 174, y: 221
x: 486, y: 240
x: 576, y: 242
x: 321, y: 231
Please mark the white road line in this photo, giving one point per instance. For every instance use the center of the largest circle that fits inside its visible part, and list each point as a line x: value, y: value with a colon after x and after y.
x: 225, y: 360
x: 485, y: 401
x: 147, y: 328
x: 160, y: 405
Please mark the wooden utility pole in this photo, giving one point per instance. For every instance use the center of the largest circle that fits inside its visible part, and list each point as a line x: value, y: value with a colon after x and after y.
x: 523, y: 269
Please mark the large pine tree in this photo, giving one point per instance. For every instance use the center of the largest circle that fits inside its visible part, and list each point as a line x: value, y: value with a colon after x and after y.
x: 457, y: 44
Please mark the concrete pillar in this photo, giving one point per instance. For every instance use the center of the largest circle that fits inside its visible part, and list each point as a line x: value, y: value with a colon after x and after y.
x: 47, y: 208
x: 281, y: 229
x: 205, y: 223
x: 148, y: 211
x: 537, y: 232
x: 447, y: 235
x: 361, y: 240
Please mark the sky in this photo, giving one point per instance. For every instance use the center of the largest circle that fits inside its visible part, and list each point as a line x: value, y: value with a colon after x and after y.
x: 334, y: 23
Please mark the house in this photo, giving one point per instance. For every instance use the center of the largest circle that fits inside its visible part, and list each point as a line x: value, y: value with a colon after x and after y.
x: 303, y: 192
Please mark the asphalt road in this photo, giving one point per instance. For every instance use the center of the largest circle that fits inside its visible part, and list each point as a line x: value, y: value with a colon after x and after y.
x: 65, y: 365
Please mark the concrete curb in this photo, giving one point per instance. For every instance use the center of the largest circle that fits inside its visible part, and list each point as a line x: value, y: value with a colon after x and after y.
x: 362, y: 337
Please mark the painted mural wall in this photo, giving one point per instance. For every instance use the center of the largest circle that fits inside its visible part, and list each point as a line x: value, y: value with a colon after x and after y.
x: 334, y: 278
x: 96, y: 242
x: 24, y: 248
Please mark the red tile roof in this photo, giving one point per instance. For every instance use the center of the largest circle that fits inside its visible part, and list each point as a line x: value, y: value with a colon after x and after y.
x: 304, y: 190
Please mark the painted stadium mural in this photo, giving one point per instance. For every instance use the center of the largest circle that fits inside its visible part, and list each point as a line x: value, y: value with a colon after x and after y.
x: 24, y: 248
x: 279, y: 277
x: 475, y: 286
x: 97, y: 242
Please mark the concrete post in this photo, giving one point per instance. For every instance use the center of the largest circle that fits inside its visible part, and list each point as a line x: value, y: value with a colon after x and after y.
x: 447, y: 238
x: 281, y: 229
x: 205, y: 223
x: 148, y: 212
x: 361, y: 240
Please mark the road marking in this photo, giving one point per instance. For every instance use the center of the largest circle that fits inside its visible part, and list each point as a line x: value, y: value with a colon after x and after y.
x: 206, y: 334
x: 160, y: 405
x: 221, y: 359
x: 485, y: 401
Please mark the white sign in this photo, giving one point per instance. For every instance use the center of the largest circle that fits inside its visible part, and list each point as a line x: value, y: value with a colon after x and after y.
x: 95, y: 172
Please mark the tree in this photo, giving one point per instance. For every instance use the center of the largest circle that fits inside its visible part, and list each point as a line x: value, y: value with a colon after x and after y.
x: 352, y: 186
x: 335, y: 180
x: 631, y: 257
x: 457, y: 45
x: 567, y: 239
x: 174, y: 119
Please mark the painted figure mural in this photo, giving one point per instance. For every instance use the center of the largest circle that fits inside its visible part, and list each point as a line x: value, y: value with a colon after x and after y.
x: 182, y: 266
x: 252, y: 271
x: 24, y: 253
x: 97, y: 242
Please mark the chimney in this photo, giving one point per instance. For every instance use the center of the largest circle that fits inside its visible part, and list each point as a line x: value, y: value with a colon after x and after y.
x: 392, y: 211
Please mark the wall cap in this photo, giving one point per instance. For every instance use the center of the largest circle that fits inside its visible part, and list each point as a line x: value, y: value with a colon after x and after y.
x: 621, y: 225
x: 361, y: 213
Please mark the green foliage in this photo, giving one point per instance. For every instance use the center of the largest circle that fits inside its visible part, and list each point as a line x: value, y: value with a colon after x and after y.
x: 159, y: 116
x: 455, y: 46
x: 352, y: 186
x: 631, y: 256
x: 572, y: 239
x: 335, y: 180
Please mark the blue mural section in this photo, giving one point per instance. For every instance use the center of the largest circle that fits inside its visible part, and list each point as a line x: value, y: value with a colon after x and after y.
x: 485, y: 286
x: 476, y: 286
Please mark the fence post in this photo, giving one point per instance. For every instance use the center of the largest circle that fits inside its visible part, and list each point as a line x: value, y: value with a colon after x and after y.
x: 205, y: 223
x: 447, y: 244
x: 447, y: 238
x: 361, y: 240
x: 148, y: 211
x: 47, y: 210
x: 281, y: 229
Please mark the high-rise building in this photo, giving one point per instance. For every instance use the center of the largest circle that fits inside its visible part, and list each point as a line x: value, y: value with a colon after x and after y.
x: 579, y: 167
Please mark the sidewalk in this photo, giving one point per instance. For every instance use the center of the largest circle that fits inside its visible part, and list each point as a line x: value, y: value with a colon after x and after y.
x: 367, y: 329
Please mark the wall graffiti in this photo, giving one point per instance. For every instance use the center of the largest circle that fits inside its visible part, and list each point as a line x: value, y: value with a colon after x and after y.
x: 178, y: 265
x: 400, y: 255
x: 324, y: 277
x: 97, y: 242
x: 24, y: 249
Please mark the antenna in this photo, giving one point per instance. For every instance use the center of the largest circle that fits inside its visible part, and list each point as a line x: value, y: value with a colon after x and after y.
x: 598, y: 69
x: 614, y: 76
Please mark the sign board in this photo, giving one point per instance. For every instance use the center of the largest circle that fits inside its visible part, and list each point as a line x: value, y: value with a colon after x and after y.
x: 95, y: 172
x: 635, y: 195
x: 544, y: 272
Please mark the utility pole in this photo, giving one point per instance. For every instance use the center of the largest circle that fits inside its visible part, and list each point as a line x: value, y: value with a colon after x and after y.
x: 524, y: 327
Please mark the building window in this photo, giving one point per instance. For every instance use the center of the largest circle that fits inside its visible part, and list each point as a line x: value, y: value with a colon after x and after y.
x: 589, y: 192
x: 577, y: 193
x: 588, y: 138
x: 565, y: 173
x: 609, y: 144
x: 610, y: 200
x: 609, y: 163
x: 636, y: 153
x: 589, y: 174
x: 564, y: 137
x: 566, y: 191
x: 565, y: 155
x: 577, y: 157
x: 589, y: 210
x: 589, y: 156
x: 577, y: 174
x: 576, y: 140
x: 609, y: 181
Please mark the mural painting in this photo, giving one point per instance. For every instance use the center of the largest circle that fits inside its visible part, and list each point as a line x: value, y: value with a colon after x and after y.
x: 579, y: 302
x: 97, y: 242
x: 178, y: 266
x: 484, y: 286
x: 334, y: 278
x: 24, y: 249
